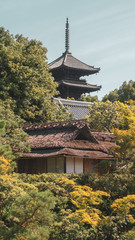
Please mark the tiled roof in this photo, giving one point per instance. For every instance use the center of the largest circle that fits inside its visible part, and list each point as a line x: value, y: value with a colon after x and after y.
x: 68, y: 60
x: 78, y: 108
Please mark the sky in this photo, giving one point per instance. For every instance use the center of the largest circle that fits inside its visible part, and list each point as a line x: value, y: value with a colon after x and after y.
x: 102, y: 33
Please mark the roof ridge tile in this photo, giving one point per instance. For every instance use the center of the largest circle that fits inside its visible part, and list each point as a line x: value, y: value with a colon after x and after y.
x: 76, y: 123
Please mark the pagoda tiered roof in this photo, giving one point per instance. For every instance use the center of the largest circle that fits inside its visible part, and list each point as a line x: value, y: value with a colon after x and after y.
x: 68, y: 70
x: 67, y: 60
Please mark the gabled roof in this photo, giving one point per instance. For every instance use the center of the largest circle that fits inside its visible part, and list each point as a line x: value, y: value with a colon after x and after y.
x: 69, y: 134
x: 67, y: 60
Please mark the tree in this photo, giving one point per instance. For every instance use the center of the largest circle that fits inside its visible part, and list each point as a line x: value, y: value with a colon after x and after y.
x: 124, y: 207
x: 5, y: 149
x: 26, y: 80
x: 13, y: 140
x: 86, y: 212
x: 88, y: 98
x: 125, y: 139
x: 118, y: 118
x: 112, y: 96
x: 25, y: 213
x: 125, y: 93
x: 104, y: 116
x: 86, y: 202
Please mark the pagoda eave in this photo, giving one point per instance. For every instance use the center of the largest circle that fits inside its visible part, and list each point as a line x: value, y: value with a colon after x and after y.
x: 81, y: 71
x: 85, y: 87
x: 67, y: 61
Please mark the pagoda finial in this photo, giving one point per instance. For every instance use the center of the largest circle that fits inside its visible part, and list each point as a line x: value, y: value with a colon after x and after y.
x: 67, y: 37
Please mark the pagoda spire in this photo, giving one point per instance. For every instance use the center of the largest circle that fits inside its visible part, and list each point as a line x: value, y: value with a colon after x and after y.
x: 67, y: 37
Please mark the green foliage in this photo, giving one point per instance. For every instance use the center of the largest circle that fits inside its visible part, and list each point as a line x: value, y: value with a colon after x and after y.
x: 68, y: 229
x: 125, y: 136
x: 64, y: 227
x: 125, y: 93
x: 115, y: 184
x: 26, y: 80
x: 13, y: 139
x: 130, y: 235
x: 132, y: 168
x: 117, y: 224
x: 22, y: 194
x: 70, y: 191
x: 5, y: 149
x: 124, y: 207
x: 88, y: 98
x: 112, y: 96
x: 118, y: 118
x: 25, y: 213
x: 2, y: 127
x: 104, y: 116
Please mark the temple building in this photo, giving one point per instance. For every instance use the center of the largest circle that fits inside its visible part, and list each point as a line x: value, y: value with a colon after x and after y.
x: 66, y: 147
x: 68, y: 72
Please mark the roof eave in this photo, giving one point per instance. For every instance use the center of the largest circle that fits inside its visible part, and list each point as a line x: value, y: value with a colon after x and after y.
x: 85, y: 71
x: 85, y: 87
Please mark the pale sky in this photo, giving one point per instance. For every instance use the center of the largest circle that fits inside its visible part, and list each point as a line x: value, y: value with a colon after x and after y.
x: 102, y: 33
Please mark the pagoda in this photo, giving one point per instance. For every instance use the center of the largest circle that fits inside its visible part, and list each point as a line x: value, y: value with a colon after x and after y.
x: 68, y: 70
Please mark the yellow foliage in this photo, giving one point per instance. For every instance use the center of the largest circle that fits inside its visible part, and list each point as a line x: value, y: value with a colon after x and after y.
x: 67, y: 181
x: 122, y: 206
x: 5, y: 167
x: 125, y: 140
x: 85, y: 217
x: 125, y: 136
x: 85, y: 195
x: 85, y: 199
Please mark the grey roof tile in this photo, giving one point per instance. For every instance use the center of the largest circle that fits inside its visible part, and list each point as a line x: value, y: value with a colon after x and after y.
x: 78, y: 108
